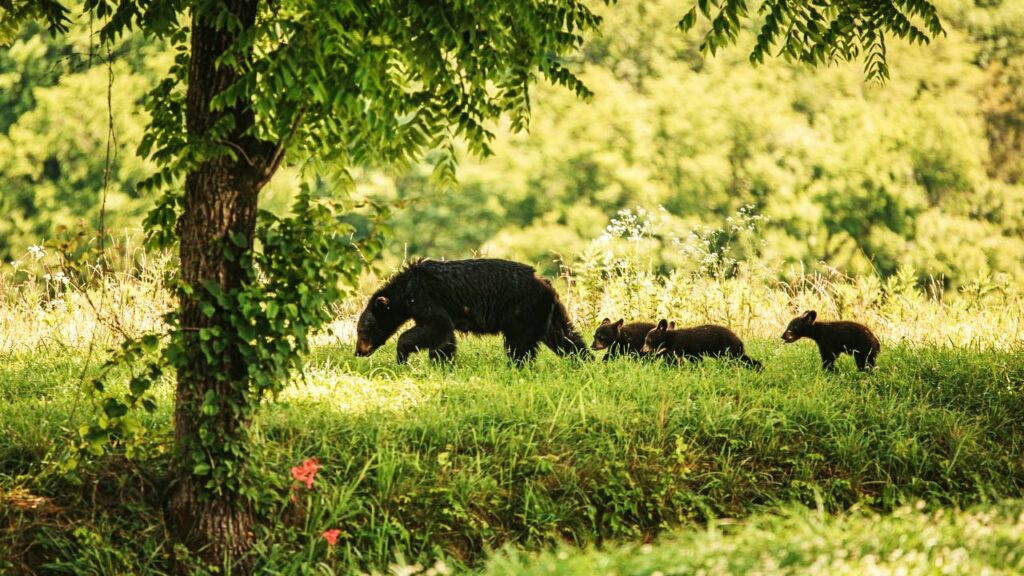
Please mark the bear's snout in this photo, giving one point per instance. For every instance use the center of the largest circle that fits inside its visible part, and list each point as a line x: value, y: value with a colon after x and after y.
x: 597, y: 345
x: 364, y: 348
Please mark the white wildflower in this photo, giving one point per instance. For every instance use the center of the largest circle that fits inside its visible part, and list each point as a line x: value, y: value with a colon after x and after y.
x: 37, y: 252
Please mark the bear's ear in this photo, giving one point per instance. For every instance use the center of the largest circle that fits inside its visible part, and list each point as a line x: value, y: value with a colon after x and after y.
x: 606, y: 321
x: 619, y: 323
x: 381, y: 302
x: 663, y: 325
x: 810, y: 316
x: 672, y: 325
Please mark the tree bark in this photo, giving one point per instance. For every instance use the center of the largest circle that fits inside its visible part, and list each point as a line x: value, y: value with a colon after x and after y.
x: 219, y: 204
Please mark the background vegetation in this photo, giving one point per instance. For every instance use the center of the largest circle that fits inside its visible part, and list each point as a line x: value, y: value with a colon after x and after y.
x: 926, y: 173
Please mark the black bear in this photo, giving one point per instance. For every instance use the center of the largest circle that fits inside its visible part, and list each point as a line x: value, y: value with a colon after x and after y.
x: 480, y: 296
x: 619, y: 338
x: 835, y: 338
x: 695, y: 343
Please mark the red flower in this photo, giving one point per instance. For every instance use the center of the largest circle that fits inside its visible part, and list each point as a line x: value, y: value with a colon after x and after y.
x: 305, y: 472
x: 331, y: 536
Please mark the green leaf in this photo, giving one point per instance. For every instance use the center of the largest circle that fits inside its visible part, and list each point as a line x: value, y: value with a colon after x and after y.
x: 207, y: 308
x: 114, y: 408
x: 138, y: 386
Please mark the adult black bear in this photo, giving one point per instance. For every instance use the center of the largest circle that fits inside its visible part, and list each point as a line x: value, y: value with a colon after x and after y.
x: 695, y: 343
x: 619, y: 338
x: 480, y: 296
x: 835, y: 338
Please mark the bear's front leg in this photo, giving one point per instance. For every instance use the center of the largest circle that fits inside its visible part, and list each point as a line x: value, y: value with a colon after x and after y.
x: 444, y: 352
x: 613, y: 352
x: 671, y: 358
x: 437, y: 336
x: 828, y: 359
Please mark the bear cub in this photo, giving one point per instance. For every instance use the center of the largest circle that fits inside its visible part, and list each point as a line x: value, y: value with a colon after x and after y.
x: 620, y: 338
x: 695, y: 343
x: 834, y: 339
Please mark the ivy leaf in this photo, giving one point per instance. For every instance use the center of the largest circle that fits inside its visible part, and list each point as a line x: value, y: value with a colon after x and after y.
x: 138, y: 386
x: 114, y: 408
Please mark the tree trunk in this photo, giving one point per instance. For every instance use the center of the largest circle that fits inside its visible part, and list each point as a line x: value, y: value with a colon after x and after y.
x: 219, y: 204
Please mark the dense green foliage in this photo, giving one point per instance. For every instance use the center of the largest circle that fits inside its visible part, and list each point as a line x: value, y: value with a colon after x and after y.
x: 426, y: 462
x: 924, y: 172
x: 918, y: 173
x: 822, y: 32
x: 53, y: 132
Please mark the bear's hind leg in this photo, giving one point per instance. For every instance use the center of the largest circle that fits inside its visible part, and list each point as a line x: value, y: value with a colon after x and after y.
x: 520, y: 349
x: 865, y: 360
x: 521, y: 341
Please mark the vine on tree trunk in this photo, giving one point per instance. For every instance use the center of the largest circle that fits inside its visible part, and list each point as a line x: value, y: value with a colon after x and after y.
x: 251, y: 343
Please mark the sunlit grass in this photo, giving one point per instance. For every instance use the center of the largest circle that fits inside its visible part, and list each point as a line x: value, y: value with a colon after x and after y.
x: 448, y: 461
x: 422, y: 462
x: 99, y: 306
x: 983, y: 540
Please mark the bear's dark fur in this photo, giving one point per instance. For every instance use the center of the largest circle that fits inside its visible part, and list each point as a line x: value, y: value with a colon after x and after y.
x: 835, y: 338
x: 480, y: 296
x: 619, y: 338
x: 695, y: 343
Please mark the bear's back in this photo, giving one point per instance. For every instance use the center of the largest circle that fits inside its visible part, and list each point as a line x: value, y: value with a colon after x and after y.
x: 491, y: 279
x: 848, y: 335
x: 483, y: 294
x: 473, y: 268
x: 633, y: 335
x: 707, y: 339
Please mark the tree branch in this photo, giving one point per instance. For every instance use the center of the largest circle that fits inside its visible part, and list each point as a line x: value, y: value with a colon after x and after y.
x: 238, y: 149
x: 278, y: 156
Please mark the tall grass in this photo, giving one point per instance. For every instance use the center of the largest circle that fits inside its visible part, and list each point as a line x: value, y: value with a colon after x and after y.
x: 48, y: 302
x: 425, y: 463
x: 44, y: 303
x: 714, y: 277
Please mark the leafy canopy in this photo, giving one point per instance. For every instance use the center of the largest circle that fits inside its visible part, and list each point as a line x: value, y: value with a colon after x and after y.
x: 819, y: 32
x: 376, y: 81
x: 353, y: 83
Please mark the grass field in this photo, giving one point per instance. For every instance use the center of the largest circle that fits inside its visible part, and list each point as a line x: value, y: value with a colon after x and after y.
x: 424, y: 463
x: 562, y: 467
